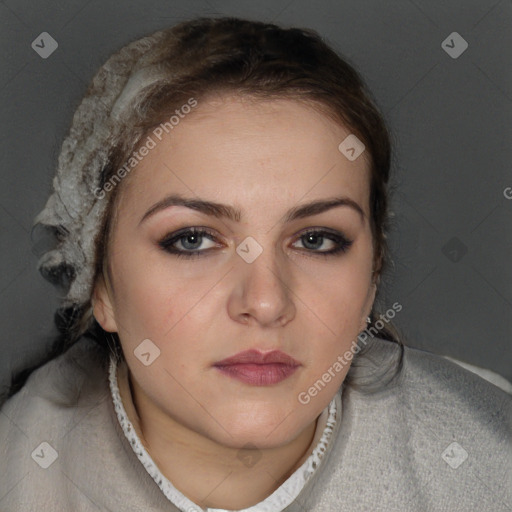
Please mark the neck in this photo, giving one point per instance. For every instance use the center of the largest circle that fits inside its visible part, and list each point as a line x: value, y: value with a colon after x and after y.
x: 209, y: 474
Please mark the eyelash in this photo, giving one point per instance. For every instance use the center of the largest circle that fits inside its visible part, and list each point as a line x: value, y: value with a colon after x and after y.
x: 167, y: 243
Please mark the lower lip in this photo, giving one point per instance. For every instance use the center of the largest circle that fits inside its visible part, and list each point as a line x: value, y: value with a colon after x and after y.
x: 258, y: 374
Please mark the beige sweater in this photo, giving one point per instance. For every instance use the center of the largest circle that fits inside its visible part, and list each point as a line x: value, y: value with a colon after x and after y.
x: 437, y: 439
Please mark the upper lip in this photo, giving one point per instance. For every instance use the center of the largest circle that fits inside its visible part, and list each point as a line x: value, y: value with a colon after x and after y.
x: 257, y: 357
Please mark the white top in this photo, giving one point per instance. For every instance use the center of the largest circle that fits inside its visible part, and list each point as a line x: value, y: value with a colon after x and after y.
x: 278, y: 500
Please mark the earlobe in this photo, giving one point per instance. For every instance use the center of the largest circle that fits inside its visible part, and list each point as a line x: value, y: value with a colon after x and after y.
x: 369, y: 305
x: 372, y: 294
x: 102, y: 307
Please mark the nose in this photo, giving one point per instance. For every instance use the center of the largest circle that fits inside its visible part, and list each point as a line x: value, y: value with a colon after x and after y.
x: 262, y: 292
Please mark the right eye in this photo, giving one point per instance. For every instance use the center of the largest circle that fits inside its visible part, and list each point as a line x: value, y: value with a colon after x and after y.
x: 190, y: 239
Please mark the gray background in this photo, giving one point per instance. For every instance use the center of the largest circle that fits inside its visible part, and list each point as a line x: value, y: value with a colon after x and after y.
x: 450, y: 120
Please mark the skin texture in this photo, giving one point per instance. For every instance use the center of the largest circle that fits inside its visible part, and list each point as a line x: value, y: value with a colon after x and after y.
x: 263, y: 157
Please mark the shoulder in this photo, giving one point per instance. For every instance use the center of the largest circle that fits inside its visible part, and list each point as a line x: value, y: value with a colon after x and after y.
x: 73, y: 381
x: 69, y: 380
x: 441, y: 396
x: 434, y: 437
x: 429, y: 382
x: 452, y: 395
x: 61, y: 446
x: 36, y: 423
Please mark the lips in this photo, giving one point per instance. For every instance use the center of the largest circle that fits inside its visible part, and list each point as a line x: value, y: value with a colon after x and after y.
x: 256, y: 357
x: 258, y: 368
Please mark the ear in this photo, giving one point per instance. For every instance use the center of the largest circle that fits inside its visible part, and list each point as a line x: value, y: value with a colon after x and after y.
x: 103, y: 306
x: 372, y: 291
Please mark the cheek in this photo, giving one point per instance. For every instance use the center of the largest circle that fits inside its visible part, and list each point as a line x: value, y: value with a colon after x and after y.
x: 156, y: 298
x: 338, y: 291
x: 339, y: 308
x: 336, y: 302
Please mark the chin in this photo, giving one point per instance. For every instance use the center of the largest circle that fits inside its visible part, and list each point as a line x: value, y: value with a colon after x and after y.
x: 255, y: 440
x: 258, y: 431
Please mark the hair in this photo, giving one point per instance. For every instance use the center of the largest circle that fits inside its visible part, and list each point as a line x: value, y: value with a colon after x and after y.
x: 203, y: 57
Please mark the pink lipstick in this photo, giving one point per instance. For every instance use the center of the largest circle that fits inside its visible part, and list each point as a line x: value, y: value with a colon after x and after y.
x: 258, y: 368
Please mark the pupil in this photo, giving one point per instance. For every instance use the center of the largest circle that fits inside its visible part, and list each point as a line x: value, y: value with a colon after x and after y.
x: 191, y: 241
x: 312, y: 240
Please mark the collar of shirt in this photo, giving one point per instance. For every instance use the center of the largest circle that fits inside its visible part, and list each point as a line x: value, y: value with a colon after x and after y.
x: 327, y: 427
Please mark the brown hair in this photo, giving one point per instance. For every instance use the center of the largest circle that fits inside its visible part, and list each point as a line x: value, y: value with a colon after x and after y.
x: 206, y: 56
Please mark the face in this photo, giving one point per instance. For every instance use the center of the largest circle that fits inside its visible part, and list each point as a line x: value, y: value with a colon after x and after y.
x: 203, y: 286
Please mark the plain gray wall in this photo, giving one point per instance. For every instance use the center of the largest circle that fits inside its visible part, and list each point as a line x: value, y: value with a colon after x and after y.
x: 450, y: 119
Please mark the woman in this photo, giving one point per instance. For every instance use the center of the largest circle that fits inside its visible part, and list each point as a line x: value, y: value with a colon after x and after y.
x: 220, y: 213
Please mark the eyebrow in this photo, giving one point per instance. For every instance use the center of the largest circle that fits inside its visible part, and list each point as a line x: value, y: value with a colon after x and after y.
x: 225, y: 211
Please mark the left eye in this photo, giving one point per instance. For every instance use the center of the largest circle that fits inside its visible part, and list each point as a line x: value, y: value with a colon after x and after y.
x: 324, y: 242
x: 315, y: 240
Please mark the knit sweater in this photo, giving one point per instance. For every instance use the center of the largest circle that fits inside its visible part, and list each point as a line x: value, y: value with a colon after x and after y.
x: 437, y: 438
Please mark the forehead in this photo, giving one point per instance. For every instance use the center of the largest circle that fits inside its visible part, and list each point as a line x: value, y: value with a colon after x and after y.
x: 245, y: 150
